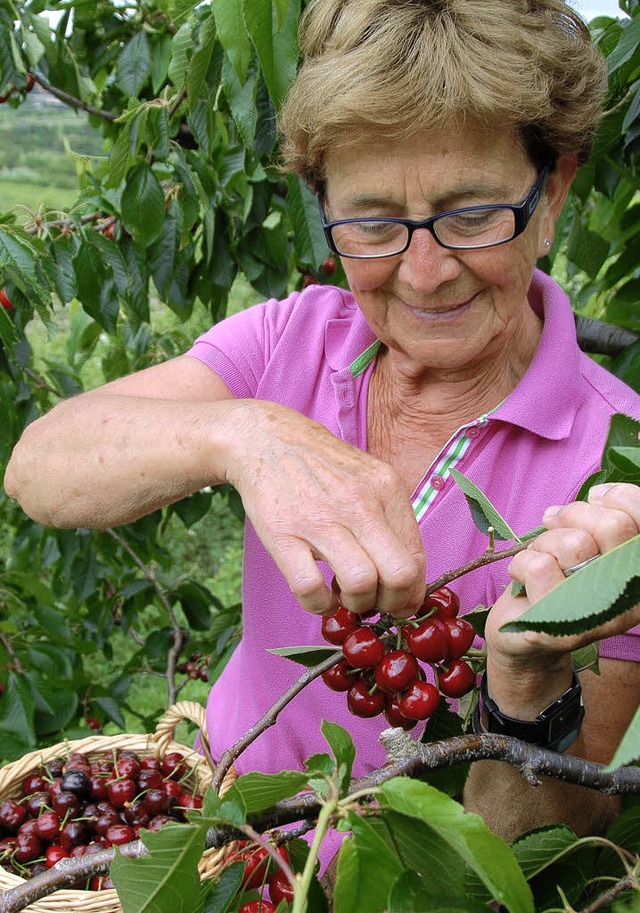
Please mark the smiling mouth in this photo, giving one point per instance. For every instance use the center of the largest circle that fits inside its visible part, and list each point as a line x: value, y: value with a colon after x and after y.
x: 450, y: 313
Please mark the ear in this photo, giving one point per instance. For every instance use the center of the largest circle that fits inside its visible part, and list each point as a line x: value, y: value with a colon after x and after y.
x: 558, y: 184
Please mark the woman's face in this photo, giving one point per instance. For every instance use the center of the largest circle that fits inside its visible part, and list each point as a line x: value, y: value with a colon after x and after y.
x: 440, y: 308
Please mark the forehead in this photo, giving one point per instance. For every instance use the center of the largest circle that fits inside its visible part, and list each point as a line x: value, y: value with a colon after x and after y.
x: 431, y: 166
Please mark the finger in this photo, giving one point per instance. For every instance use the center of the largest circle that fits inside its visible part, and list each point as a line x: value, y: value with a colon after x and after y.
x: 620, y: 495
x: 298, y: 566
x: 539, y: 571
x: 569, y: 546
x: 609, y: 526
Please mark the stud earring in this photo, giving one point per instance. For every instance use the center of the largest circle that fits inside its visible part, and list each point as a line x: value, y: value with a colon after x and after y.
x: 547, y: 242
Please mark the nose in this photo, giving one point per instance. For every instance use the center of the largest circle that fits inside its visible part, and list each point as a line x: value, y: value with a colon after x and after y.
x: 426, y: 265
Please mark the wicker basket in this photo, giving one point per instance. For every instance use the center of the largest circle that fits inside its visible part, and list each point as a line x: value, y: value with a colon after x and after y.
x: 159, y: 744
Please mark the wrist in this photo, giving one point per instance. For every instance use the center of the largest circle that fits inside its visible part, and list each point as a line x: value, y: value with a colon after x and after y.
x: 523, y: 689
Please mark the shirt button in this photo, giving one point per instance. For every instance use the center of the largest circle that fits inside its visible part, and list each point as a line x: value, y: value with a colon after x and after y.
x: 437, y: 481
x: 472, y: 432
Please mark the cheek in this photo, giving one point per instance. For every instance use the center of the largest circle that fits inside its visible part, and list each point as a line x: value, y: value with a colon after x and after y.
x: 368, y: 275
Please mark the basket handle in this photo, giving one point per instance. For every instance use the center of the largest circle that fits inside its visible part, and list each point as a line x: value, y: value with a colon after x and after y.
x: 183, y: 710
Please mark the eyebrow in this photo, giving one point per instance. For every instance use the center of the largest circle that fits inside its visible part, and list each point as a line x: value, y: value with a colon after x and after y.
x: 367, y: 200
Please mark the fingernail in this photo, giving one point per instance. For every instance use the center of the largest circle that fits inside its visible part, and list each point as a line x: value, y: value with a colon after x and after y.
x: 551, y: 511
x: 598, y: 492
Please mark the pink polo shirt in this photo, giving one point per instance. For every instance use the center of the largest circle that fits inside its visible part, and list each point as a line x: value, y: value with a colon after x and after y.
x: 314, y: 352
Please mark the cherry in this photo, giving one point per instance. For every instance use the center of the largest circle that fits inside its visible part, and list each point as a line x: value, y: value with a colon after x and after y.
x: 150, y: 779
x: 105, y: 821
x: 456, y: 679
x: 419, y: 701
x: 393, y: 715
x: 121, y: 792
x: 337, y: 627
x: 461, y: 634
x: 340, y: 677
x: 92, y: 722
x: 151, y: 763
x: 12, y: 814
x: 128, y: 767
x: 173, y: 765
x: 328, y: 266
x: 361, y: 702
x: 187, y: 801
x: 54, y: 854
x: 37, y: 801
x: 30, y: 82
x: 396, y: 671
x: 429, y: 641
x: 33, y: 783
x: 28, y: 848
x: 280, y: 888
x: 445, y: 602
x: 48, y: 826
x: 118, y: 834
x: 99, y: 786
x: 73, y: 834
x: 137, y: 814
x: 157, y: 802
x: 255, y: 860
x: 28, y: 827
x: 257, y: 906
x: 157, y: 822
x: 76, y: 780
x: 363, y: 648
x: 54, y: 768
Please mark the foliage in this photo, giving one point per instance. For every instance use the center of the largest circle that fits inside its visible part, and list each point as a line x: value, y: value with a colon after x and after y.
x: 179, y: 199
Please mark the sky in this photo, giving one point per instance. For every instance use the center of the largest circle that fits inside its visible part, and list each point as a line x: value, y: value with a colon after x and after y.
x: 589, y: 9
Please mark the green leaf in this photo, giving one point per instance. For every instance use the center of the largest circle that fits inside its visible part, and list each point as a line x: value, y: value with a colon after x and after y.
x: 196, y: 602
x: 199, y: 63
x: 628, y: 750
x: 341, y: 744
x: 539, y: 849
x: 308, y: 234
x: 17, y: 709
x: 277, y: 45
x: 225, y: 888
x: 367, y: 870
x: 623, y: 434
x: 241, y: 98
x: 143, y: 205
x: 482, y: 850
x: 414, y: 894
x: 258, y: 791
x: 597, y: 593
x: 306, y: 656
x: 149, y: 884
x: 134, y: 65
x: 626, y: 48
x: 482, y: 510
x: 233, y: 35
x: 181, y: 46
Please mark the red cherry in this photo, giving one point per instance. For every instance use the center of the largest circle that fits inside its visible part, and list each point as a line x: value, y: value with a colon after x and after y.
x: 121, y: 792
x: 151, y: 763
x: 363, y: 703
x: 92, y: 722
x: 280, y: 888
x: 150, y: 779
x: 28, y: 848
x: 156, y: 802
x: 118, y: 834
x: 393, y: 715
x: 308, y: 280
x: 337, y: 627
x: 340, y: 677
x: 461, y: 634
x: 429, y: 641
x: 445, y: 602
x: 419, y: 701
x: 4, y: 299
x: 257, y: 906
x: 127, y: 767
x: 173, y: 765
x: 328, y: 266
x: 456, y: 679
x: 255, y: 860
x: 48, y: 826
x: 33, y: 783
x: 363, y: 648
x: 54, y: 854
x: 30, y: 82
x: 172, y: 788
x: 396, y: 671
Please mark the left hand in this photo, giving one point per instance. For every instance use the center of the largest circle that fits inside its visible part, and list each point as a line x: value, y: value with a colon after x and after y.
x: 541, y: 663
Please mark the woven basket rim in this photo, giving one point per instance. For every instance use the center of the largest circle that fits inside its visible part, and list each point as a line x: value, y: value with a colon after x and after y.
x: 157, y: 743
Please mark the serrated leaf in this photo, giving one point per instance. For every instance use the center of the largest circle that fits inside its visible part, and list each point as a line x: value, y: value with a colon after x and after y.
x: 149, y: 884
x: 341, y: 744
x: 119, y: 157
x: 199, y: 63
x: 483, y: 512
x: 133, y: 67
x: 367, y: 870
x: 413, y: 894
x: 306, y: 656
x: 225, y: 888
x: 628, y: 751
x: 597, y: 593
x: 17, y: 709
x: 143, y: 205
x: 181, y: 46
x: 258, y: 791
x: 308, y: 234
x: 276, y: 43
x: 421, y: 849
x: 483, y: 851
x: 627, y: 46
x: 233, y: 35
x: 539, y: 849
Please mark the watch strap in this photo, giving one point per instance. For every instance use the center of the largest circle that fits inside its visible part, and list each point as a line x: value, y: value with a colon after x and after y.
x: 555, y: 728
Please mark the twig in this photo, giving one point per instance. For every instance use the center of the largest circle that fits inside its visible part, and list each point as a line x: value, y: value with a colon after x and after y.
x: 74, y: 102
x: 265, y: 722
x: 15, y: 659
x: 178, y: 638
x: 485, y: 559
x: 629, y: 883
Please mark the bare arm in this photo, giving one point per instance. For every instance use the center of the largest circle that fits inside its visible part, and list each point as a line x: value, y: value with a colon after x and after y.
x: 112, y: 455
x: 526, y: 672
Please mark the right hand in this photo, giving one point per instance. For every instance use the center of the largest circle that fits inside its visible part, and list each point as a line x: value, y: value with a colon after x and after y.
x: 311, y: 497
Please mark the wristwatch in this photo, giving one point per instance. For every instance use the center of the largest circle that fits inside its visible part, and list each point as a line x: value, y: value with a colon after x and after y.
x: 555, y: 728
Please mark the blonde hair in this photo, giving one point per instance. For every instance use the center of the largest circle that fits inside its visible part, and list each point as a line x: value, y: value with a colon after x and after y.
x: 396, y: 67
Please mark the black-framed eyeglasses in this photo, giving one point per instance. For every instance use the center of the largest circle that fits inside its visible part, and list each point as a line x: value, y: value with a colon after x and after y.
x: 470, y: 228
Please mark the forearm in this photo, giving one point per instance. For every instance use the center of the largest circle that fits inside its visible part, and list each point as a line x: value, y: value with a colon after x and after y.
x: 101, y: 460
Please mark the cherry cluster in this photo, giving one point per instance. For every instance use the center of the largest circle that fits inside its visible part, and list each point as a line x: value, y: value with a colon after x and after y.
x: 195, y: 667
x: 75, y: 806
x: 261, y: 873
x: 381, y: 671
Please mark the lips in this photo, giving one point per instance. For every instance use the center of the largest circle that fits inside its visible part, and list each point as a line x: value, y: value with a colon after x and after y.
x: 450, y: 312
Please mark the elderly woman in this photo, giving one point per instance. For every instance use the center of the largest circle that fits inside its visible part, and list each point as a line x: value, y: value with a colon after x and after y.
x: 441, y: 137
